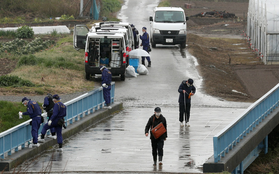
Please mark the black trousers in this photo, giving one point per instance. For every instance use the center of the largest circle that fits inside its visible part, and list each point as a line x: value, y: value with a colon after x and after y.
x: 157, y: 148
x: 184, y: 112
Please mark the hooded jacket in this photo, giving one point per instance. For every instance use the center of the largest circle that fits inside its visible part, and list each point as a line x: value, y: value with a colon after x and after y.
x: 188, y: 89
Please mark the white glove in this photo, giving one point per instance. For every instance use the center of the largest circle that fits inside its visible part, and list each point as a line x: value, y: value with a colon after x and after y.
x: 20, y: 114
x: 104, y: 85
x: 49, y: 122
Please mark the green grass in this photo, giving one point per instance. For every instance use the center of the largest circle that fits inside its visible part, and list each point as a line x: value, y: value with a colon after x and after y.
x: 9, y: 114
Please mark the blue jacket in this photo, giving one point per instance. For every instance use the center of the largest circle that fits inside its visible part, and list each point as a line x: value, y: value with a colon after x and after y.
x: 106, y: 77
x: 145, y: 39
x: 59, y: 111
x: 33, y: 109
x: 183, y: 86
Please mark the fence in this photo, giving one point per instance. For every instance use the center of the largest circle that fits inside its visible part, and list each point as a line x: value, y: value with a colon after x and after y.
x: 18, y: 137
x: 236, y: 131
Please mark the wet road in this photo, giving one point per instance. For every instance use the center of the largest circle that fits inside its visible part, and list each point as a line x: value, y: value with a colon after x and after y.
x: 119, y: 144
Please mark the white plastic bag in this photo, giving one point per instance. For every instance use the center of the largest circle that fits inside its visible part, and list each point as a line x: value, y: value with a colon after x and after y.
x: 130, y: 71
x: 142, y: 70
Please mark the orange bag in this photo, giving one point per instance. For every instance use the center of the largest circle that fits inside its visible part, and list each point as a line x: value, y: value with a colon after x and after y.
x: 158, y: 130
x: 190, y: 95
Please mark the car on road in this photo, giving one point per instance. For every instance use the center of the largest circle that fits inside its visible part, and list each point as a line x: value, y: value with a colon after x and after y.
x: 168, y: 26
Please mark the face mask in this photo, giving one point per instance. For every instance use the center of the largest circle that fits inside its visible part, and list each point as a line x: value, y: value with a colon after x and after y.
x: 157, y: 114
x: 188, y: 84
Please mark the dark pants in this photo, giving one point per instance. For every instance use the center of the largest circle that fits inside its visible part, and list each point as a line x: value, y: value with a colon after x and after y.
x: 49, y: 114
x: 36, y: 121
x: 143, y: 58
x: 106, y: 93
x: 58, y: 130
x: 184, y: 111
x: 157, y: 148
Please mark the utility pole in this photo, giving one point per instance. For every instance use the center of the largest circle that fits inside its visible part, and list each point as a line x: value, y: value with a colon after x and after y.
x: 81, y: 8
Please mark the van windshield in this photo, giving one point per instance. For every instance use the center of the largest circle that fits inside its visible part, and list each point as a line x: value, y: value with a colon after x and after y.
x: 169, y: 16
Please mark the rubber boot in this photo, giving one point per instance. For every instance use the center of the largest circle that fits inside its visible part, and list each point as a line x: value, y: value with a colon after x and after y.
x: 143, y: 62
x: 149, y: 64
x: 160, y: 160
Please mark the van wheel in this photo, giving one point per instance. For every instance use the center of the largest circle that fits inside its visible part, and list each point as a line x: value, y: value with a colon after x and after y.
x: 153, y: 44
x: 87, y: 76
x: 122, y: 77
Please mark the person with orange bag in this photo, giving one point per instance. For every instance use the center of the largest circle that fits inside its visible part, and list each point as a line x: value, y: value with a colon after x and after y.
x: 186, y: 90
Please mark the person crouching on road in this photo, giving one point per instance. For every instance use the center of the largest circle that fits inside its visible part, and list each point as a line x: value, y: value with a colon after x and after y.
x: 157, y: 144
x: 106, y: 84
x: 34, y: 111
x: 56, y: 121
x: 145, y: 44
x: 186, y: 90
x: 48, y: 107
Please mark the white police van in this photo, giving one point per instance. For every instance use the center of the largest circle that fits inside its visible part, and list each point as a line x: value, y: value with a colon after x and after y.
x: 101, y: 48
x: 168, y: 26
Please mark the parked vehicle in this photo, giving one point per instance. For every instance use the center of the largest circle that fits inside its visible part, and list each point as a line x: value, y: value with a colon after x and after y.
x: 102, y: 48
x: 113, y: 25
x: 168, y: 26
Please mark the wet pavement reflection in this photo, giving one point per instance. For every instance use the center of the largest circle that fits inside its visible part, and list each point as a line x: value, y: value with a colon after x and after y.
x: 119, y: 145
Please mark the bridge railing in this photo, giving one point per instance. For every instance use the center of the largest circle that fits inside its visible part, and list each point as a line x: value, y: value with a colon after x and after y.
x: 226, y: 139
x: 19, y: 136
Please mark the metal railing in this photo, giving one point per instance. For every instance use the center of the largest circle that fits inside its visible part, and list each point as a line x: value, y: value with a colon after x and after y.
x: 237, y: 130
x: 19, y: 137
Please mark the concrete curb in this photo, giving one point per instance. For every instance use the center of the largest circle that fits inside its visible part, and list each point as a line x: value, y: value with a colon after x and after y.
x: 19, y: 157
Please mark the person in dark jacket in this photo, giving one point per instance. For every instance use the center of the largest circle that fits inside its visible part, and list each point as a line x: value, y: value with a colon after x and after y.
x: 186, y: 90
x: 34, y: 111
x: 106, y: 84
x: 48, y: 107
x: 56, y: 121
x: 157, y: 144
x: 145, y: 44
x: 135, y: 34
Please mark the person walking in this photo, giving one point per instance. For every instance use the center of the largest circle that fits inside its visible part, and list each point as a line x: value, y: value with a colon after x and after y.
x: 48, y: 107
x: 56, y: 121
x: 135, y: 34
x: 145, y: 44
x: 106, y: 84
x: 34, y: 111
x: 157, y: 144
x: 186, y: 90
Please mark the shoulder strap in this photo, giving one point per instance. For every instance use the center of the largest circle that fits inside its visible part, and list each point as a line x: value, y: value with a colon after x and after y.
x: 153, y: 122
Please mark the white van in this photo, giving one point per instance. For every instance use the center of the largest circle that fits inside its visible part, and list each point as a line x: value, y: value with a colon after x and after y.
x: 101, y: 48
x: 168, y: 26
x: 114, y: 25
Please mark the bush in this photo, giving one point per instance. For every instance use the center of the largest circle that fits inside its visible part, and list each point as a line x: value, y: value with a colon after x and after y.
x: 14, y: 81
x: 110, y: 6
x: 25, y: 32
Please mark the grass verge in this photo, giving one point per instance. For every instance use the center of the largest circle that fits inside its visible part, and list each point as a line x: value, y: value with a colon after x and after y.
x: 9, y: 114
x: 59, y: 69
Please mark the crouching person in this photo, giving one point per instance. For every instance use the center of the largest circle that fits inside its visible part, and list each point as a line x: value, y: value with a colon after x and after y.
x: 56, y: 121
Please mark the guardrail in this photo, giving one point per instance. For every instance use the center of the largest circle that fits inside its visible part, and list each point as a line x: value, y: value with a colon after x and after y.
x: 18, y: 137
x: 226, y: 139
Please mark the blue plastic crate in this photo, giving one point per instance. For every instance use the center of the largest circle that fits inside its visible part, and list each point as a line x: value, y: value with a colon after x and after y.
x: 134, y: 62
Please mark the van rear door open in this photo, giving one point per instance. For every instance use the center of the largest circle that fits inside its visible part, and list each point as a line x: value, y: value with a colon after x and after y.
x: 79, y: 36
